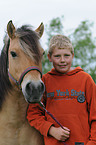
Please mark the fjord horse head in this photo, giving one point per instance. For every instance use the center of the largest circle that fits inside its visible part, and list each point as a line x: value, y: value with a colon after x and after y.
x: 24, y: 61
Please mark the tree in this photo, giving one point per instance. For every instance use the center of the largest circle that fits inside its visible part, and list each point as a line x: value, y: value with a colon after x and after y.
x: 84, y: 47
x: 54, y: 27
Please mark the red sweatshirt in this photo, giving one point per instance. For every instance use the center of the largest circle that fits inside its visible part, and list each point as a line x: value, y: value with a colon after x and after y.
x: 71, y: 98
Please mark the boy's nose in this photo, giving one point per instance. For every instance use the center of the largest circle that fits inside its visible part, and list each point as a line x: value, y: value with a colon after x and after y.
x: 62, y: 59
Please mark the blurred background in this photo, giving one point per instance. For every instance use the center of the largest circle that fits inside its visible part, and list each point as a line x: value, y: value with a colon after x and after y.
x: 74, y: 18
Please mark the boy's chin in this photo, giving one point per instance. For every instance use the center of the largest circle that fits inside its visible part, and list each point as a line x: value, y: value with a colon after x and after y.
x: 62, y: 71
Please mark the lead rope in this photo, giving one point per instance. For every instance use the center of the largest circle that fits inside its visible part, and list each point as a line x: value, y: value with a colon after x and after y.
x: 42, y: 105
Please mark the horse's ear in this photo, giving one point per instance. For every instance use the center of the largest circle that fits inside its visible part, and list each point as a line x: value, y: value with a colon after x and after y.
x: 40, y: 30
x: 11, y: 29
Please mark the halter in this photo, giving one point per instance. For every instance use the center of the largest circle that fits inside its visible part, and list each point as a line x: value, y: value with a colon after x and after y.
x: 23, y: 74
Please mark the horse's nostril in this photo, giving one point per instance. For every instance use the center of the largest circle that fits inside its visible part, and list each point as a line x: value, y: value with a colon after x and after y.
x: 41, y: 87
x: 29, y: 88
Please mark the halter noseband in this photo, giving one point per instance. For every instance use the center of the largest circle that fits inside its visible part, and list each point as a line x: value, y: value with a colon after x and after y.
x: 23, y: 74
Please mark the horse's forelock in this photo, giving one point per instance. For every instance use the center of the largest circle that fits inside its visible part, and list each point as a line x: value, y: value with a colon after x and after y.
x: 30, y: 42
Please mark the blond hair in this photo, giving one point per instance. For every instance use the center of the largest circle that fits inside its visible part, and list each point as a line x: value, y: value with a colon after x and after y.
x: 60, y: 42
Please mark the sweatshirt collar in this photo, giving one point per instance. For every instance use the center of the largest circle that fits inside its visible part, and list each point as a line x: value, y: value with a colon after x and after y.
x: 72, y: 72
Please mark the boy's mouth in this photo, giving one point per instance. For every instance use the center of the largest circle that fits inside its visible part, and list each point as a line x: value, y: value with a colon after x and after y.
x: 62, y: 66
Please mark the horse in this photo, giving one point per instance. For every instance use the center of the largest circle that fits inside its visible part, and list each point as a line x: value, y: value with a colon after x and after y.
x: 20, y: 84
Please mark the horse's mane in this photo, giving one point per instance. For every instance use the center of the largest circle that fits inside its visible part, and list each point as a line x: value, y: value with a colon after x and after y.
x: 29, y: 41
x: 5, y: 84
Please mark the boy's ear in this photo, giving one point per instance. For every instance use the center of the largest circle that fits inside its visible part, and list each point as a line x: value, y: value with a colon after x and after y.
x: 49, y: 57
x: 73, y: 55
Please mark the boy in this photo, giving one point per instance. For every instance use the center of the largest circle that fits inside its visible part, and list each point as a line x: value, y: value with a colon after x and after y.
x: 70, y: 95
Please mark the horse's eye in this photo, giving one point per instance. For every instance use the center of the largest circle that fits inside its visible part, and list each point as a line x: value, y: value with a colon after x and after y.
x: 44, y: 53
x: 13, y: 54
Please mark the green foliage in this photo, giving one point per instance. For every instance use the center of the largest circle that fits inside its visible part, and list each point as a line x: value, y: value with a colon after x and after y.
x: 54, y: 27
x: 84, y: 48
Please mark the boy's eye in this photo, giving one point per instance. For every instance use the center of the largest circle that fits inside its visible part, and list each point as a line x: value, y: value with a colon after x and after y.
x: 56, y: 55
x: 67, y: 55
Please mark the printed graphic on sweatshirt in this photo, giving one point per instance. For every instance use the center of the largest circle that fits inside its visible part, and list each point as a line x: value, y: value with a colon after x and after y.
x: 67, y: 95
x: 79, y: 143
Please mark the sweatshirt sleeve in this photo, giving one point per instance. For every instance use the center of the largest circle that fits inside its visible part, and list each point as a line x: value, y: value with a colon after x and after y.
x: 91, y: 103
x: 36, y: 117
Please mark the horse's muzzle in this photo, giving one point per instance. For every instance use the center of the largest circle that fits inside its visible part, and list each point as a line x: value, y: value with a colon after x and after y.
x: 33, y: 91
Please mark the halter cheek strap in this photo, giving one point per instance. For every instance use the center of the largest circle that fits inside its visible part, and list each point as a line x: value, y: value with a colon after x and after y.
x: 26, y: 71
x: 23, y: 74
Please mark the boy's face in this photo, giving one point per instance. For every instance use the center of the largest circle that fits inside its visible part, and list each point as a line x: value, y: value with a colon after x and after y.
x: 61, y: 59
